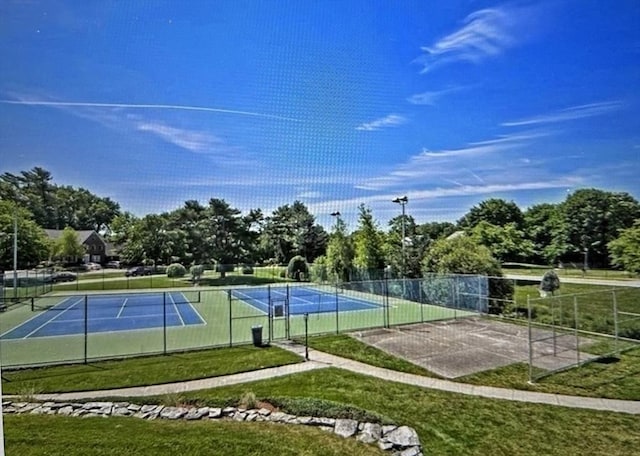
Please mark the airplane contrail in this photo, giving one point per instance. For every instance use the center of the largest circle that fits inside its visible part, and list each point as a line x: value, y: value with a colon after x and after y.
x: 146, y: 106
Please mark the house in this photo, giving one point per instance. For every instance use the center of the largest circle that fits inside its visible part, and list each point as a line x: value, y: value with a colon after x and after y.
x: 95, y: 246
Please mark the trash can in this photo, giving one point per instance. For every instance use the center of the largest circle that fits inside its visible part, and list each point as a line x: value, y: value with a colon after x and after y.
x: 256, y: 331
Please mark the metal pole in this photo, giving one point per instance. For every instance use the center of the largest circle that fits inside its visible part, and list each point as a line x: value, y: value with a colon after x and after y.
x: 86, y: 327
x: 164, y: 322
x: 230, y: 321
x: 530, y: 339
x: 615, y: 317
x: 15, y: 253
x: 575, y: 317
x: 306, y: 336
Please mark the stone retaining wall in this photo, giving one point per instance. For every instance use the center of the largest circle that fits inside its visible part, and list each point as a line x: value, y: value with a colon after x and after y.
x: 397, y: 440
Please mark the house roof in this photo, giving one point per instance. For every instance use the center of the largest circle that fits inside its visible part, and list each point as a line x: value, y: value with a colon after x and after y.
x: 83, y: 235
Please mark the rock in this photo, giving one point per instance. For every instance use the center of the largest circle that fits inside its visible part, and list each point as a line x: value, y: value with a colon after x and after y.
x: 404, y: 436
x: 277, y: 416
x: 97, y: 405
x: 148, y: 408
x: 385, y: 445
x: 173, y: 413
x: 134, y: 407
x: 388, y: 428
x: 345, y: 428
x: 121, y: 411
x: 229, y: 411
x: 239, y: 416
x: 264, y: 412
x: 370, y: 433
x: 65, y: 411
x: 197, y: 413
x: 411, y: 451
x: 215, y: 412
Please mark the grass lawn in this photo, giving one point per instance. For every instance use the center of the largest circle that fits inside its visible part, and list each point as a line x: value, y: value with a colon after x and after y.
x: 47, y: 435
x: 144, y: 371
x: 539, y: 271
x: 348, y: 347
x: 453, y: 424
x: 595, y: 306
x: 617, y: 378
x: 117, y: 281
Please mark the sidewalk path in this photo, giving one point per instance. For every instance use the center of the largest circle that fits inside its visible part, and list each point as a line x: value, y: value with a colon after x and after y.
x: 319, y: 360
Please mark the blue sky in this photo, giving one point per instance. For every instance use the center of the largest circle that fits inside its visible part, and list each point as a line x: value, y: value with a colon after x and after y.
x: 333, y: 103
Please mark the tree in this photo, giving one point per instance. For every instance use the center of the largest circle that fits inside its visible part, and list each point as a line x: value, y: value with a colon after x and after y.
x: 368, y: 242
x: 462, y: 255
x: 298, y: 268
x: 495, y: 211
x: 68, y: 246
x: 291, y: 230
x: 506, y: 243
x: 339, y: 258
x: 545, y: 226
x: 403, y: 255
x: 625, y: 250
x: 33, y: 244
x: 594, y: 218
x: 550, y: 283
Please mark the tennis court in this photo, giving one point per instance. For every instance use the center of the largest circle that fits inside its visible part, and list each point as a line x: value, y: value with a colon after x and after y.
x: 106, y: 313
x: 301, y: 300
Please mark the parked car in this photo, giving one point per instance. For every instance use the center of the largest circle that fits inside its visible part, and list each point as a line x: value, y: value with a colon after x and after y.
x: 62, y: 276
x: 92, y: 267
x: 139, y: 271
x: 113, y: 265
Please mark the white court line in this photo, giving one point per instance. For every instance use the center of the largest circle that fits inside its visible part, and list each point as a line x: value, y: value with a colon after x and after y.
x: 204, y: 322
x: 177, y: 311
x: 54, y: 317
x: 122, y: 307
x: 32, y: 318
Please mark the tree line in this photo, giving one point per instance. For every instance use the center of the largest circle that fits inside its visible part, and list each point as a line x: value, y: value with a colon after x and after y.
x: 598, y: 227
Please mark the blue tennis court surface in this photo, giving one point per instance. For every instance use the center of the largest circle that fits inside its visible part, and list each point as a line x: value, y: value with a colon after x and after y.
x: 301, y: 300
x: 107, y: 313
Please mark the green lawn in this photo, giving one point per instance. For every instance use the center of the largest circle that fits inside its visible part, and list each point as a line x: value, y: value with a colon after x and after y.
x: 46, y: 435
x: 453, y: 424
x: 595, y: 307
x: 348, y: 347
x: 150, y: 370
x: 538, y: 271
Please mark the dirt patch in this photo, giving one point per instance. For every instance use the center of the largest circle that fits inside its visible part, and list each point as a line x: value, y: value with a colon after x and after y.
x: 454, y: 348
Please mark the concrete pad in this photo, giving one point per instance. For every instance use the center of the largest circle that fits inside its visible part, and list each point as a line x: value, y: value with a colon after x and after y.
x: 454, y: 348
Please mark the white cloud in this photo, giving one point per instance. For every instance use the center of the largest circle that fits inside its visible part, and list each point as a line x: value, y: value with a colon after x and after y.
x: 392, y: 120
x: 431, y: 97
x: 572, y: 113
x: 195, y: 141
x: 485, y: 33
x: 68, y: 104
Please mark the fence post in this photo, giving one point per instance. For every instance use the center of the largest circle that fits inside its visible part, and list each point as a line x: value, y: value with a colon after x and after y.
x: 387, y: 323
x: 86, y: 328
x: 615, y: 318
x: 530, y: 339
x: 337, y: 314
x: 164, y: 322
x: 420, y: 293
x: 553, y: 327
x: 230, y: 319
x: 269, y: 313
x: 575, y: 317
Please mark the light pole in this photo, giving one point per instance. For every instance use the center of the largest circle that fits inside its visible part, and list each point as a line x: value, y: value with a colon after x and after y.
x: 403, y: 200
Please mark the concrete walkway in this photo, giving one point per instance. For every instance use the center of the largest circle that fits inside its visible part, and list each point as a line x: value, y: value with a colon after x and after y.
x: 320, y: 360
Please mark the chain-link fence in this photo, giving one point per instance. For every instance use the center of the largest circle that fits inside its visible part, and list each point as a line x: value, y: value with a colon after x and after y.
x: 570, y: 330
x: 79, y: 327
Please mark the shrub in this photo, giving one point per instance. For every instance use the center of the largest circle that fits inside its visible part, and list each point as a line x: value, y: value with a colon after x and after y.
x: 176, y: 270
x: 196, y: 272
x: 550, y: 282
x: 298, y: 269
x: 283, y: 274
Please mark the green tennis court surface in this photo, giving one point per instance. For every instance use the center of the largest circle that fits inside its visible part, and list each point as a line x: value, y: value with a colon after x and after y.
x: 216, y: 318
